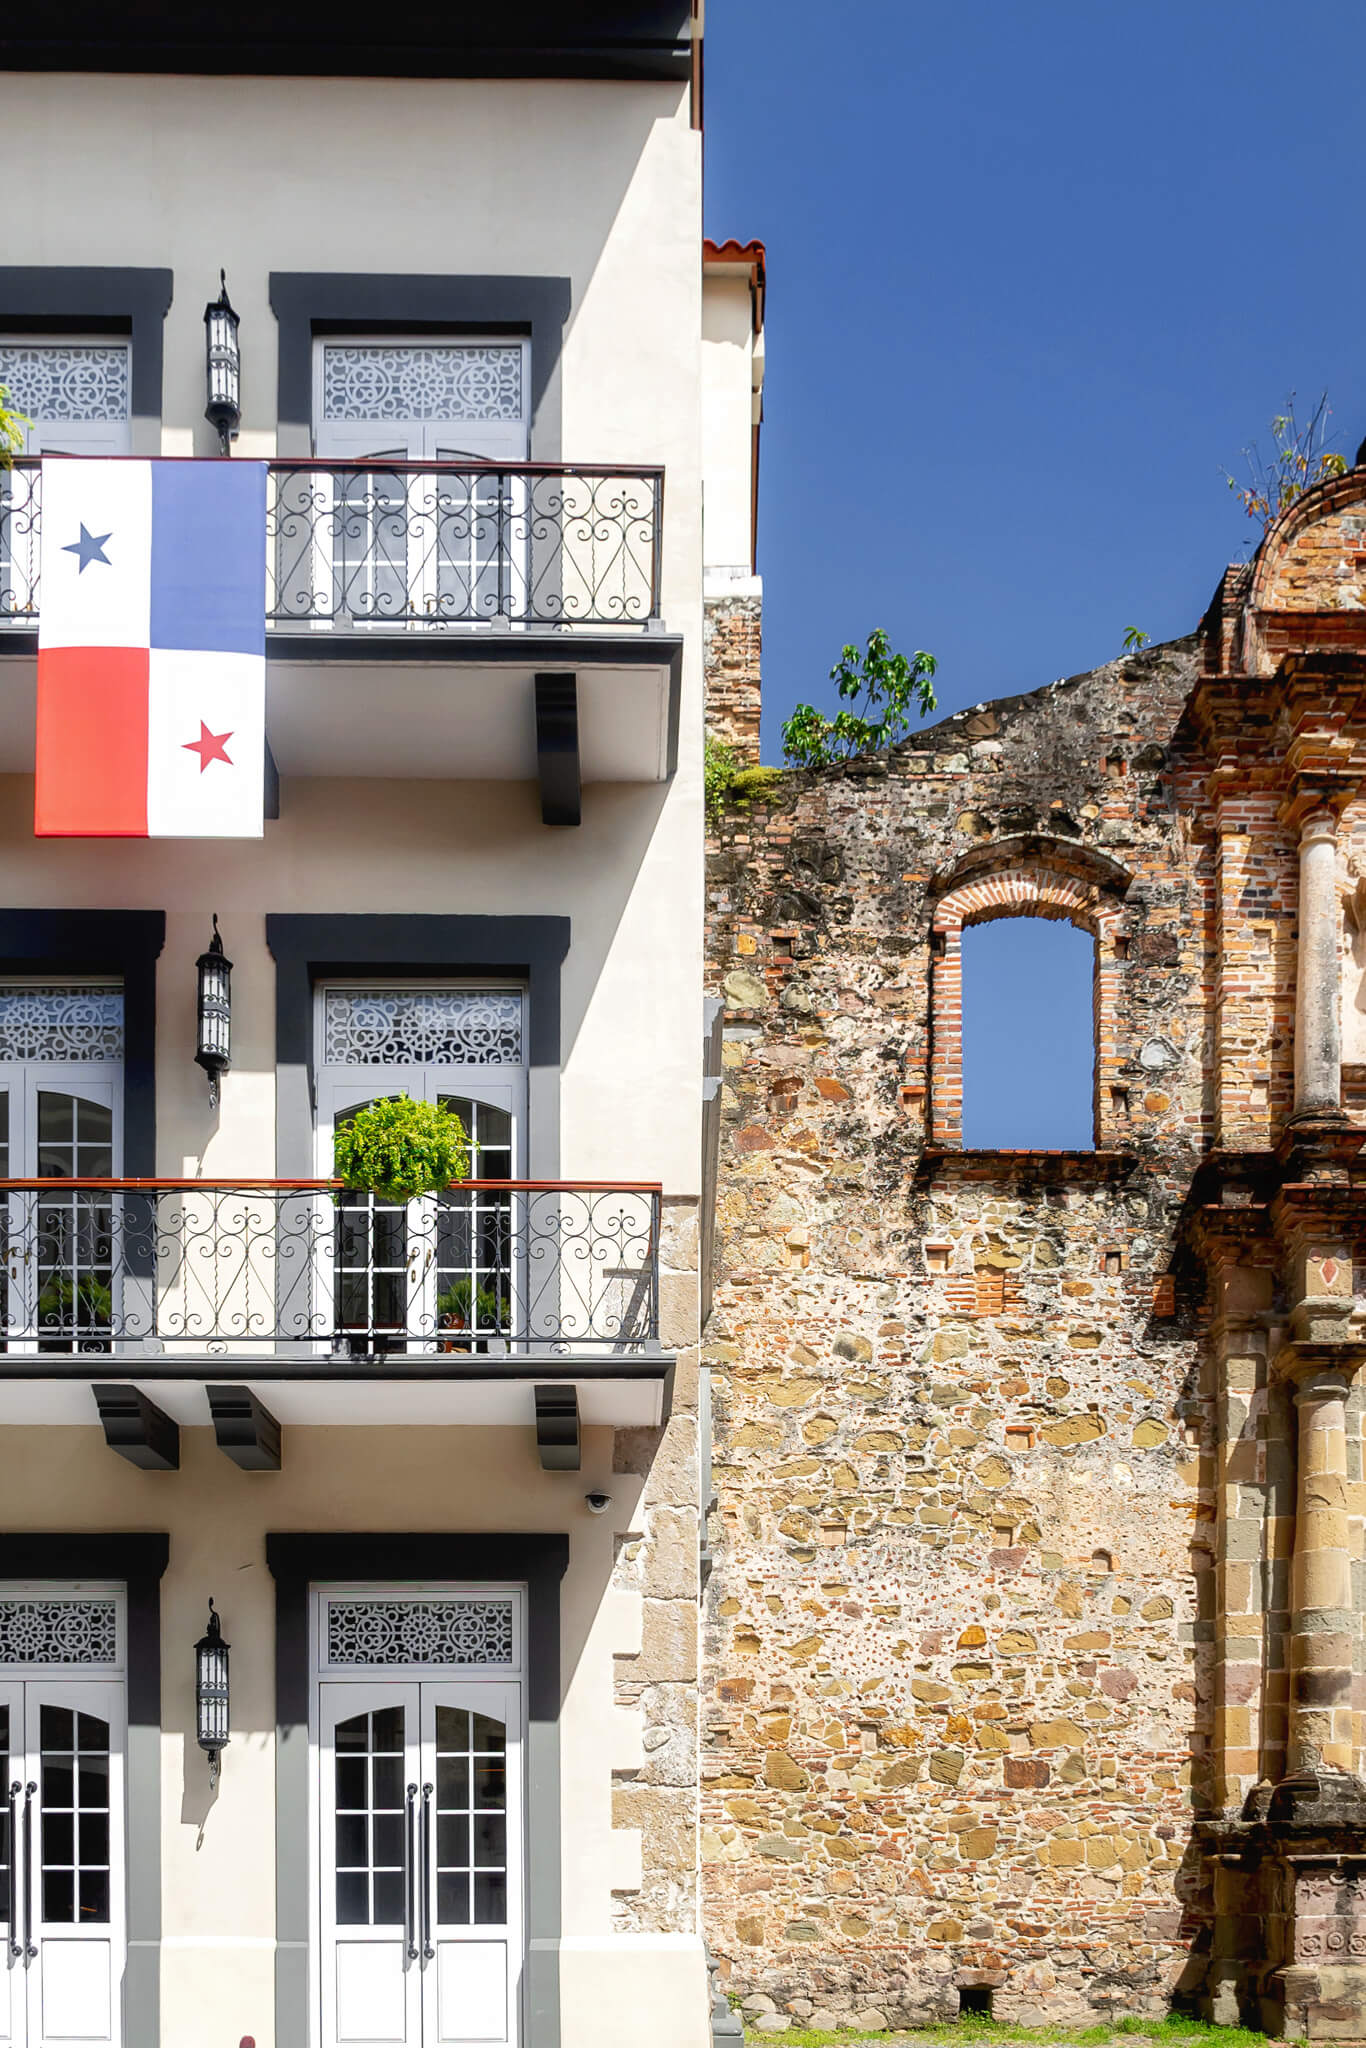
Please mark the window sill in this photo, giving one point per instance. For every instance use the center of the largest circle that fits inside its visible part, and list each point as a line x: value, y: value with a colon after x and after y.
x: 1046, y: 1162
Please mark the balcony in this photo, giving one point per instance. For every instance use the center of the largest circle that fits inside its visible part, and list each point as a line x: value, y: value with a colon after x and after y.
x: 343, y: 1307
x: 476, y: 579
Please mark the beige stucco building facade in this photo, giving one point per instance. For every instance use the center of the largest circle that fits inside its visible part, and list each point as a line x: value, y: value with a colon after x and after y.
x: 437, y: 1465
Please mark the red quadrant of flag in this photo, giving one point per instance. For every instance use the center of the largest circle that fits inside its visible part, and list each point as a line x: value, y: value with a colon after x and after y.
x: 92, y: 742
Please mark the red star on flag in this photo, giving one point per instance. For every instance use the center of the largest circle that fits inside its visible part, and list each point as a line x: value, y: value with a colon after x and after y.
x: 210, y: 746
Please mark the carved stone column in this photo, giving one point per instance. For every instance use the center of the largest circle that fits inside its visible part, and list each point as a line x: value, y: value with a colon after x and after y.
x: 1321, y: 1576
x: 1318, y: 1014
x: 1313, y: 1824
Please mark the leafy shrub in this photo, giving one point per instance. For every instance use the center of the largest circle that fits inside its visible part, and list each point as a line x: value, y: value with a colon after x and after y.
x: 720, y: 765
x: 1299, y: 459
x: 888, y: 684
x: 400, y: 1149
x: 12, y: 425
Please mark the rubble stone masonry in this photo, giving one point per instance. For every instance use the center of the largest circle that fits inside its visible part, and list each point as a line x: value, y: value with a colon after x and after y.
x: 1010, y: 1649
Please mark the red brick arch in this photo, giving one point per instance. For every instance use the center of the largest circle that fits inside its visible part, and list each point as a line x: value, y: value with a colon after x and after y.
x: 1031, y: 889
x: 1284, y: 575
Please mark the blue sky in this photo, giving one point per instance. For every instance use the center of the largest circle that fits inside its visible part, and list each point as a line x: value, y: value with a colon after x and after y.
x: 1035, y: 275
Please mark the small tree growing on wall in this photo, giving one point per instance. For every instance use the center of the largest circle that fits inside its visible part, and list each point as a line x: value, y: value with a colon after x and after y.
x: 880, y: 689
x: 1299, y: 459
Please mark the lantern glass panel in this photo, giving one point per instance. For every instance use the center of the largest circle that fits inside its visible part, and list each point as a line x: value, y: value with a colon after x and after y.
x: 212, y: 1696
x: 223, y: 365
x: 215, y: 1012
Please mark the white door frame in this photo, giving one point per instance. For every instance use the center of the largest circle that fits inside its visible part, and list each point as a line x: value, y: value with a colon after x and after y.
x: 462, y: 444
x: 501, y: 1085
x: 76, y: 437
x: 497, y: 441
x: 503, y: 1682
x: 98, y: 1688
x: 100, y: 1083
x: 337, y: 1702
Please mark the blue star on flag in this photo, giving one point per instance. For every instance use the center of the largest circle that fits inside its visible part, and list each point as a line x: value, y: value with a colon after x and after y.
x: 90, y: 548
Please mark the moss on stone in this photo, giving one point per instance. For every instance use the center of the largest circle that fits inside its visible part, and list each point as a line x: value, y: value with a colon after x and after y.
x: 756, y: 785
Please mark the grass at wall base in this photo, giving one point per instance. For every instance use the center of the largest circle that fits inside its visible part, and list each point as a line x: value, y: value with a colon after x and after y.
x: 1172, y: 2031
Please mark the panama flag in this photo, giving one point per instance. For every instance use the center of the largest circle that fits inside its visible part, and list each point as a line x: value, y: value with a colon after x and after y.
x: 152, y: 650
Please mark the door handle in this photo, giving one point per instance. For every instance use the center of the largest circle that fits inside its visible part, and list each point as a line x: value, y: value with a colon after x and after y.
x: 427, y: 1950
x: 409, y: 1875
x: 30, y: 1946
x: 16, y: 1947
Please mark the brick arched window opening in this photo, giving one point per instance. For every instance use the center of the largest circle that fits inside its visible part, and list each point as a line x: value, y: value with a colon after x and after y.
x: 1022, y: 891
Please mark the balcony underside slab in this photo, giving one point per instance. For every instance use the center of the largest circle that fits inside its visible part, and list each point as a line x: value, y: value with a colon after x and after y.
x: 406, y: 707
x: 620, y: 1394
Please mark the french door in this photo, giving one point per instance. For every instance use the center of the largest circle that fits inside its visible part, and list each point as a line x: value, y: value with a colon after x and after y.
x: 439, y: 1271
x: 414, y: 546
x: 62, y: 1862
x: 61, y: 1271
x: 420, y: 1867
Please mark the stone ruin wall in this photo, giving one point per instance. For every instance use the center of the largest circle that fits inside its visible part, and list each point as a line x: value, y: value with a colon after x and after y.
x: 958, y: 1632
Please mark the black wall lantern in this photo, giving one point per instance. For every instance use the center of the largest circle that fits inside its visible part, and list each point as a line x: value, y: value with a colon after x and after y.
x: 214, y: 1050
x: 223, y: 366
x: 211, y: 1691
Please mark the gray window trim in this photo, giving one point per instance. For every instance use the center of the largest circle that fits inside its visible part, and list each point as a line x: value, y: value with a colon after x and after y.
x: 60, y: 299
x: 310, y: 303
x: 641, y: 39
x: 122, y: 943
x: 139, y: 1561
x: 308, y: 949
x: 298, y: 1561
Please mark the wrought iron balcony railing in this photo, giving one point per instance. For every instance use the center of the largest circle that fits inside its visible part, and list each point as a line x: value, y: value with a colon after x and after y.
x: 308, y: 1269
x: 419, y: 547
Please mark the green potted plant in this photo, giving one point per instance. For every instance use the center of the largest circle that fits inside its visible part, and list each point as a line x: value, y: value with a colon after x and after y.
x: 400, y: 1149
x: 65, y: 1303
x: 462, y: 1304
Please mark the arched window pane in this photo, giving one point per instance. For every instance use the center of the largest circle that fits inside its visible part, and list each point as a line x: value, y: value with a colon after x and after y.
x: 1029, y: 1050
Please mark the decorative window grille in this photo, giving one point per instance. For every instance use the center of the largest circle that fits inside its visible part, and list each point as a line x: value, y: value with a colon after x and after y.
x: 422, y: 1027
x: 59, y: 1023
x: 65, y: 381
x: 56, y: 1631
x: 446, y: 381
x: 388, y: 1631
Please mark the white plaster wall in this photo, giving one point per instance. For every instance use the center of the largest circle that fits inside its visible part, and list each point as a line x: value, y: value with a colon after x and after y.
x: 516, y: 176
x: 595, y: 181
x: 625, y: 878
x: 727, y: 419
x: 218, y: 1851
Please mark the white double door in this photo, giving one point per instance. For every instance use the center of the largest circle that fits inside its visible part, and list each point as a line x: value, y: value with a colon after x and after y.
x: 420, y: 1891
x: 62, y: 1873
x: 446, y: 544
x: 440, y: 1272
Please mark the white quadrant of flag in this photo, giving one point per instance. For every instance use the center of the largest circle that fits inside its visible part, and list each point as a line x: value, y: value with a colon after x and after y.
x: 96, y: 551
x: 204, y: 713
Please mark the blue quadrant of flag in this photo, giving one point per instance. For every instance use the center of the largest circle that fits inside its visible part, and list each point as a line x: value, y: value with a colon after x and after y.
x: 208, y: 556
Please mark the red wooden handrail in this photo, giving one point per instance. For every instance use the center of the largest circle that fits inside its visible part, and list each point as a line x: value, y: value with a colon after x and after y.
x: 335, y: 1187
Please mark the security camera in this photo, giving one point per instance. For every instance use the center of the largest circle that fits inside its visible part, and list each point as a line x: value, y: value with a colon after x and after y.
x: 598, y: 1503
